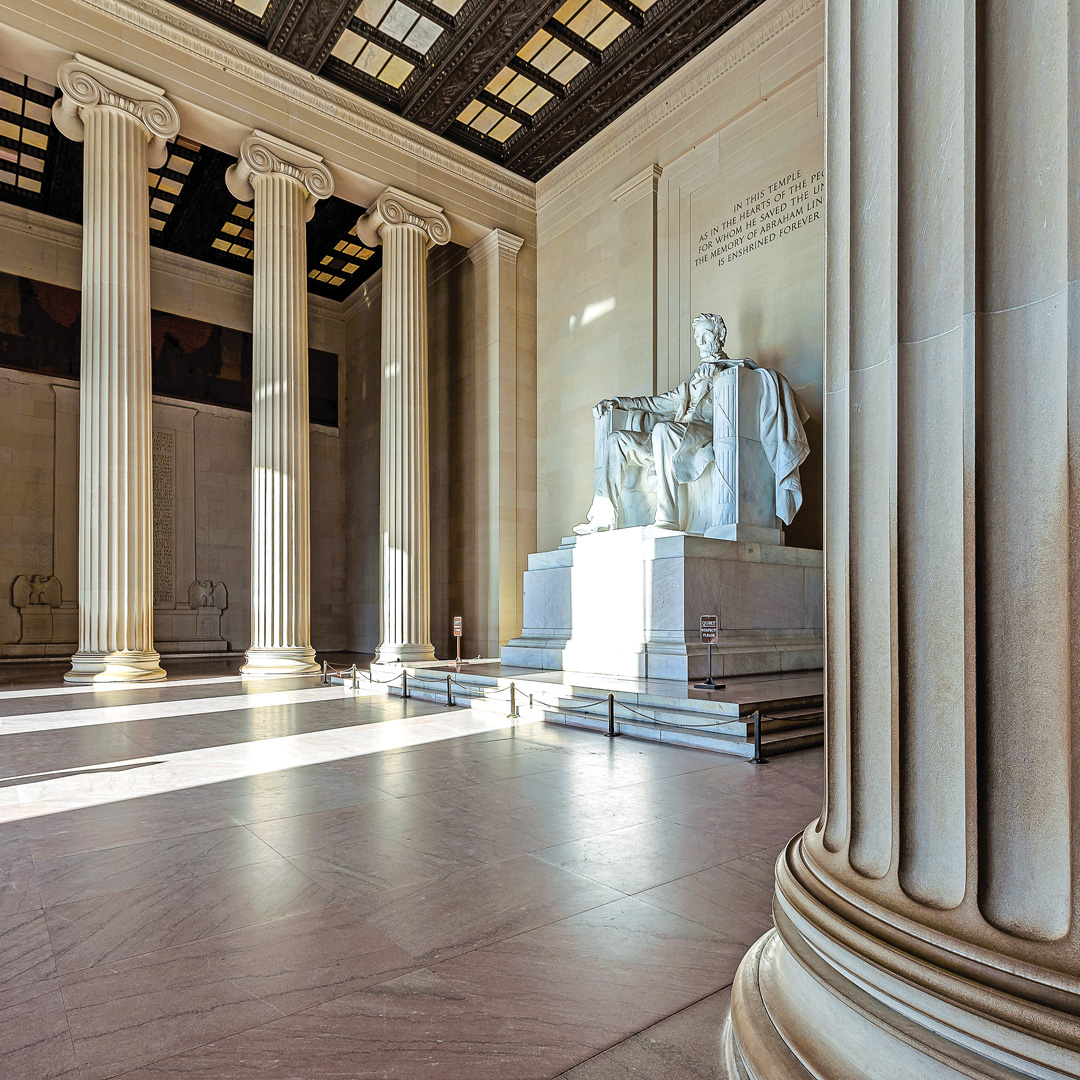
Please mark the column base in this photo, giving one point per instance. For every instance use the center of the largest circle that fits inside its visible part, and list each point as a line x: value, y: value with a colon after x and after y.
x: 389, y: 653
x: 136, y: 665
x: 834, y: 993
x: 262, y: 663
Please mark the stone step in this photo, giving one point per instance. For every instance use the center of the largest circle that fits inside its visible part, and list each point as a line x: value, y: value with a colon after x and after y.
x: 676, y: 718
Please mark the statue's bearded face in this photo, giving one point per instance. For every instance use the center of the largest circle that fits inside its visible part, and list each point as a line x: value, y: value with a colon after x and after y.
x: 707, y: 339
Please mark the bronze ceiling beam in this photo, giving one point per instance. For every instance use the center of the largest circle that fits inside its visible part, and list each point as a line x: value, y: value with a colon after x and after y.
x: 561, y: 32
x: 305, y: 31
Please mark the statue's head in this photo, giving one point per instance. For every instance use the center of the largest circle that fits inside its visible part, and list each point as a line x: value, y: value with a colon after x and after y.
x: 710, y: 333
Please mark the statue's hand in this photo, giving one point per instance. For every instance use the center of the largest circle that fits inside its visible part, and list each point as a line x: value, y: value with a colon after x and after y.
x: 601, y: 408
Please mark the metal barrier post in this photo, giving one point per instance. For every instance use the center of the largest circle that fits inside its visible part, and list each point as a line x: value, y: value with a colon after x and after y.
x: 324, y: 673
x: 404, y: 684
x: 513, y: 714
x: 449, y: 696
x: 611, y: 732
x: 355, y: 678
x: 757, y: 759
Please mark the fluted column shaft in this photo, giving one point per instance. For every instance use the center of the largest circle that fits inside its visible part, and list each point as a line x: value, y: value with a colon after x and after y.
x: 927, y: 924
x: 119, y: 119
x: 284, y: 182
x: 406, y: 226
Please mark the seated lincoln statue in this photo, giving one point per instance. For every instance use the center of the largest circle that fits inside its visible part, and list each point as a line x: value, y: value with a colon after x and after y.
x: 673, y: 438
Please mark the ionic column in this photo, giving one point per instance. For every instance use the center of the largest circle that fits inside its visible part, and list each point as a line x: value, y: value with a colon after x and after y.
x: 406, y: 226
x: 495, y: 332
x: 927, y: 925
x: 286, y: 182
x: 124, y: 124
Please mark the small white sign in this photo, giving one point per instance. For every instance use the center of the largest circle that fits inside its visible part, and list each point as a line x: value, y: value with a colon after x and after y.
x: 457, y: 626
x: 709, y: 629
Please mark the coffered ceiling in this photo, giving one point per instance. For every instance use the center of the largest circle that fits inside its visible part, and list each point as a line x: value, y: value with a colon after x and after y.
x: 522, y: 82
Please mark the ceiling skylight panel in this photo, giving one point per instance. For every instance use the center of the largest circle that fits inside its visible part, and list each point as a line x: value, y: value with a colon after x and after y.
x: 608, y: 30
x: 256, y: 7
x: 451, y: 7
x: 565, y: 71
x: 551, y: 55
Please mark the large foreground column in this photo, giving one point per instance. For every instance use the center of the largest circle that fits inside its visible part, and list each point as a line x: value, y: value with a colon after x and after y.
x: 286, y: 183
x: 927, y: 925
x: 124, y: 124
x: 407, y: 227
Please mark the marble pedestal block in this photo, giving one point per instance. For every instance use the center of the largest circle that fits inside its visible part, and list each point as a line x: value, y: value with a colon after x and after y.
x: 628, y: 602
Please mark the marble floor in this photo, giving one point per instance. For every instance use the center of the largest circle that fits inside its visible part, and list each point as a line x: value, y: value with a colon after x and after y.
x: 285, y: 881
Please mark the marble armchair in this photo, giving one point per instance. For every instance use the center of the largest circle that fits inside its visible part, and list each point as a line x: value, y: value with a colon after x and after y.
x: 735, y: 497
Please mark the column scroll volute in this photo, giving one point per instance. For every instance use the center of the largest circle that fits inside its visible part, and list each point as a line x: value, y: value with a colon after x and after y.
x: 262, y: 154
x: 86, y: 83
x: 394, y: 207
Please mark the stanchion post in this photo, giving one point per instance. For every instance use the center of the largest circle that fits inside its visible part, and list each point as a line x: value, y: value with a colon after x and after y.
x: 324, y: 673
x: 757, y: 759
x: 513, y: 714
x: 611, y: 732
x: 355, y: 678
x: 449, y: 695
x: 404, y: 684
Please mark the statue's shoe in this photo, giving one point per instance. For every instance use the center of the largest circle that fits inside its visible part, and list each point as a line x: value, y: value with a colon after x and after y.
x: 588, y: 527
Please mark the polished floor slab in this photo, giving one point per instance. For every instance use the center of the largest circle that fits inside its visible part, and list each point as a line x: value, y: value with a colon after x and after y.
x: 235, y: 881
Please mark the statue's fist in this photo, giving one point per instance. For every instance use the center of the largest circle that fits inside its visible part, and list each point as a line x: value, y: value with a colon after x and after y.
x: 602, y: 407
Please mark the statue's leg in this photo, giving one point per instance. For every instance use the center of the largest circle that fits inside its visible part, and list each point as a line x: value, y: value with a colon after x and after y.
x: 622, y: 451
x: 667, y: 437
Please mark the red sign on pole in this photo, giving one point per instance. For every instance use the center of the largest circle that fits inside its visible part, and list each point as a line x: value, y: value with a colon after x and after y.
x: 709, y: 626
x: 457, y: 626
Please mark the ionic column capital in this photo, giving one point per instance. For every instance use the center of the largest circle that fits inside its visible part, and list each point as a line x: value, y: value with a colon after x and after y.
x: 263, y: 155
x: 394, y: 207
x: 88, y: 83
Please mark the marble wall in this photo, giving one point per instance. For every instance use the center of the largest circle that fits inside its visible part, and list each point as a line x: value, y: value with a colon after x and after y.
x: 651, y: 222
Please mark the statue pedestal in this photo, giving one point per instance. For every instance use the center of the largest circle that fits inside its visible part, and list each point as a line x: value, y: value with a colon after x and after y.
x: 628, y: 602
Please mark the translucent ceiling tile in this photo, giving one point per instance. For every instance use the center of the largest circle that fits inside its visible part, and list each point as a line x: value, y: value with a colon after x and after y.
x: 500, y: 80
x: 550, y: 55
x: 348, y: 47
x: 256, y: 7
x: 504, y: 129
x: 424, y: 34
x: 534, y: 102
x: 589, y: 18
x: 372, y: 11
x: 517, y: 89
x: 569, y: 10
x: 396, y: 71
x: 486, y: 120
x: 608, y: 31
x: 398, y: 21
x: 643, y: 4
x: 451, y: 7
x: 569, y: 67
x: 466, y: 115
x: 534, y: 45
x: 372, y: 59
